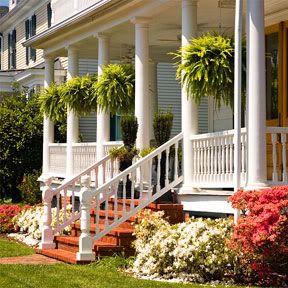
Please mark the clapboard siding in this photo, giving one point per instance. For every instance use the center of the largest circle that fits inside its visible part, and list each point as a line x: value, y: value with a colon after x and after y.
x: 87, y: 125
x: 41, y: 25
x: 169, y: 97
x: 87, y: 128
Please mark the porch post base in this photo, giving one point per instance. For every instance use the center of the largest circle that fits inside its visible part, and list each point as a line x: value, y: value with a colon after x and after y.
x: 256, y: 186
x: 82, y: 256
x: 45, y: 246
x: 186, y: 189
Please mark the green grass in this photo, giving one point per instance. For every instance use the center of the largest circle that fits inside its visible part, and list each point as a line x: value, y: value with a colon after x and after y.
x: 103, y: 274
x: 11, y: 249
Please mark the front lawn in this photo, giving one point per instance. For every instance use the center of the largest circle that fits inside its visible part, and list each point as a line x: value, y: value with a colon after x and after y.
x: 10, y: 248
x: 103, y: 274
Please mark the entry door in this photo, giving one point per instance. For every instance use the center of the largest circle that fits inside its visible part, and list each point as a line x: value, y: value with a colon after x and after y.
x: 275, y: 112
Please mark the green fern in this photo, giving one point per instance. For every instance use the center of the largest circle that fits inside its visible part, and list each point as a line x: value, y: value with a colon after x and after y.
x: 115, y: 88
x: 78, y: 94
x: 207, y: 68
x: 52, y: 105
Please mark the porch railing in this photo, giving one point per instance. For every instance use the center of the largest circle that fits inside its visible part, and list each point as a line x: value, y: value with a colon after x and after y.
x: 277, y: 155
x: 213, y: 156
x: 84, y: 155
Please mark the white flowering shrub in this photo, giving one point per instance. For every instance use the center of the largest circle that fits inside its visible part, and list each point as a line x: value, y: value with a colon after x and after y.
x: 192, y: 251
x: 30, y: 220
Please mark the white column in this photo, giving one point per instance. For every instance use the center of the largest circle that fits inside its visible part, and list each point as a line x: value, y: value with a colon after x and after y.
x: 72, y: 119
x: 153, y: 91
x: 48, y: 125
x: 142, y: 81
x: 257, y: 96
x: 189, y: 107
x: 103, y: 118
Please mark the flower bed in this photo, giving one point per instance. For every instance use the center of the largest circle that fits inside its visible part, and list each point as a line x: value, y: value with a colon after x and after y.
x: 7, y: 212
x: 30, y: 220
x: 191, y: 251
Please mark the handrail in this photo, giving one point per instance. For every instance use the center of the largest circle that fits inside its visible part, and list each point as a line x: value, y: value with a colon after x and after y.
x: 148, y: 157
x: 67, y: 183
x: 136, y: 184
x: 216, y: 134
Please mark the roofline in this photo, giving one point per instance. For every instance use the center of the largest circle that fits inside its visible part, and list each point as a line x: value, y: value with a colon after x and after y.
x: 69, y: 21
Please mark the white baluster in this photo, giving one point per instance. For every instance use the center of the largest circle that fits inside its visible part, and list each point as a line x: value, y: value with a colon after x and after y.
x: 209, y: 158
x: 47, y: 232
x: 231, y: 145
x: 141, y: 182
x: 106, y: 208
x: 204, y: 160
x: 85, y: 241
x: 133, y: 175
x: 158, y: 172
x: 274, y: 157
x: 176, y: 161
x: 65, y: 206
x: 167, y: 168
x: 150, y: 187
x: 283, y: 142
x: 222, y: 159
x: 124, y: 195
x: 97, y: 212
x: 226, y: 143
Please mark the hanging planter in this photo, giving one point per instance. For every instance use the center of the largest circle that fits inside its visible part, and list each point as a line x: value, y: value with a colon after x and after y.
x: 52, y: 105
x: 207, y: 68
x: 79, y: 94
x: 115, y: 89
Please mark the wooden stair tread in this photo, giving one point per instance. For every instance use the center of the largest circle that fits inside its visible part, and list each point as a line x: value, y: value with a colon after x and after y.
x: 111, y: 214
x: 74, y: 240
x: 60, y: 254
x: 114, y: 231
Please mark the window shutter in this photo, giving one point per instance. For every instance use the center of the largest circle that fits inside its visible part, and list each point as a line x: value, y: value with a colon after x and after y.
x: 33, y: 24
x: 13, y: 40
x: 49, y: 15
x: 27, y: 35
x: 9, y: 51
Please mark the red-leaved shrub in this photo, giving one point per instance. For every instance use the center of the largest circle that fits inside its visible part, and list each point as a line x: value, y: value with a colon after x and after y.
x: 260, y: 237
x: 7, y: 212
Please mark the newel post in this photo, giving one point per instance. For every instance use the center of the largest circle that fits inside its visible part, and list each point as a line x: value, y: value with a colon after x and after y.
x: 85, y: 241
x: 47, y: 233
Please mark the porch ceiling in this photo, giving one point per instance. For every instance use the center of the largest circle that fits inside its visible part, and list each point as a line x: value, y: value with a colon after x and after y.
x: 164, y: 31
x: 164, y: 28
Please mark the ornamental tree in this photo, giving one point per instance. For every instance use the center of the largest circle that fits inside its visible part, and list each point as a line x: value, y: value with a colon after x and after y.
x: 20, y: 141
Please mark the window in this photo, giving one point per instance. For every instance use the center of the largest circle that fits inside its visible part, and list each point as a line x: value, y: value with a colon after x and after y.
x: 30, y: 30
x: 12, y: 50
x: 49, y: 15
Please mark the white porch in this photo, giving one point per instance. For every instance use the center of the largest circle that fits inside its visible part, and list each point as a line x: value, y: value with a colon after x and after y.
x: 153, y: 28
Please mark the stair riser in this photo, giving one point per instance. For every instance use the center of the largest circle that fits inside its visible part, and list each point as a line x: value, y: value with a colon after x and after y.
x: 67, y: 247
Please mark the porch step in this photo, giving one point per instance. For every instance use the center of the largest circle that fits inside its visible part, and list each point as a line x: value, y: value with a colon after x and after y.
x: 117, y: 241
x: 60, y: 254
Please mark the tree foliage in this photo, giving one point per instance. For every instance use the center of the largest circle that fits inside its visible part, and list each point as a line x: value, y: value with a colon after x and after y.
x: 207, y: 68
x: 20, y: 141
x: 115, y: 88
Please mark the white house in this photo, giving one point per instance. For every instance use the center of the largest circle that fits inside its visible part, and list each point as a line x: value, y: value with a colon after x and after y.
x: 108, y: 30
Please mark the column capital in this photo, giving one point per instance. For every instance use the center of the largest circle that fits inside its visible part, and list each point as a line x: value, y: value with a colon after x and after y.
x: 72, y: 48
x: 48, y: 57
x: 141, y: 21
x: 102, y: 35
x: 190, y: 2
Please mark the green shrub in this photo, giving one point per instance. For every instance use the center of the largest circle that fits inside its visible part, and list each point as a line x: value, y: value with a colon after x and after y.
x: 20, y: 142
x: 30, y: 188
x: 162, y: 125
x: 193, y: 251
x: 129, y: 127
